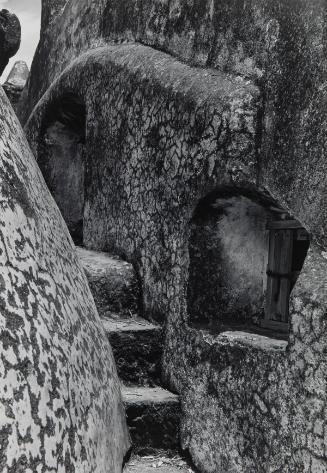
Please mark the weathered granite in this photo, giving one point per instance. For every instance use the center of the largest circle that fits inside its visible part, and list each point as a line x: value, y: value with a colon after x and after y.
x: 137, y: 346
x: 10, y: 35
x: 153, y: 417
x: 113, y: 283
x: 269, y: 403
x: 60, y: 400
x: 16, y: 82
x: 161, y: 135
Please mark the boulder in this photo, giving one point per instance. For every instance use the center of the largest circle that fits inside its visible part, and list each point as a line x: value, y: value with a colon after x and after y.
x: 10, y: 34
x: 60, y: 399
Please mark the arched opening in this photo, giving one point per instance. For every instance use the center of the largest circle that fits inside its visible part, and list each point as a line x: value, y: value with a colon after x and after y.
x: 62, y: 161
x: 246, y: 254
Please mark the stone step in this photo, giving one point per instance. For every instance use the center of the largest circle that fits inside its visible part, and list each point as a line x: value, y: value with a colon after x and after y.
x: 163, y: 464
x: 113, y: 283
x: 137, y: 346
x: 153, y: 417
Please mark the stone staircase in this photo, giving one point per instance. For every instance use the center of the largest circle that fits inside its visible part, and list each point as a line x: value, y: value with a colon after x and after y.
x: 153, y: 413
x: 137, y: 347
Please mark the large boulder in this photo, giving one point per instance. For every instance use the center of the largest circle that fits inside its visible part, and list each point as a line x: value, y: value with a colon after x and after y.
x: 10, y: 34
x: 60, y: 400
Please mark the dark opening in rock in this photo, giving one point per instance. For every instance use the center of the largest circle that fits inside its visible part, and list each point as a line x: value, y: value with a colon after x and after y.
x: 246, y: 254
x: 62, y: 159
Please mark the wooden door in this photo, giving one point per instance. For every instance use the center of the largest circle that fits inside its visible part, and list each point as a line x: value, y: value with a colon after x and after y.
x: 279, y: 275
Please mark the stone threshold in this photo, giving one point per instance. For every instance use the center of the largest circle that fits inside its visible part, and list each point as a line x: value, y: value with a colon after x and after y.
x: 158, y: 462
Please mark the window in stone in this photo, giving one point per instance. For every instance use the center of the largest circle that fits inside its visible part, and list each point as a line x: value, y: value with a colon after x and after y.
x: 245, y: 256
x: 228, y: 251
x: 288, y: 247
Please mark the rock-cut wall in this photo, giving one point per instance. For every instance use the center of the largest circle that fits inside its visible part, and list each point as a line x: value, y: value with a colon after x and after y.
x: 162, y: 136
x: 245, y: 134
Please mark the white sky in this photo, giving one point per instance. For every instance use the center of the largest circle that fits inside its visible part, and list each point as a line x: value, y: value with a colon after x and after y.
x: 29, y: 14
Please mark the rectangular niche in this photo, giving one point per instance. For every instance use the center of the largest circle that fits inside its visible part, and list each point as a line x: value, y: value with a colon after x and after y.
x: 246, y: 254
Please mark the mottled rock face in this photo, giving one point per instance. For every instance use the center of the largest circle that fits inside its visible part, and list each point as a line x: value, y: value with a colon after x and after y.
x: 60, y: 396
x: 161, y: 136
x: 50, y: 11
x: 16, y: 82
x: 10, y: 34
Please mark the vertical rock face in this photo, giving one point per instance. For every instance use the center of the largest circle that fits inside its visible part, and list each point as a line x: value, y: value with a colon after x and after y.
x: 60, y: 398
x: 16, y: 82
x: 50, y: 10
x: 10, y: 33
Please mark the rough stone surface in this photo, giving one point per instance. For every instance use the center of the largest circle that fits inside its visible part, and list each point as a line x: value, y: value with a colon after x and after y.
x: 153, y: 417
x: 60, y: 400
x: 16, y: 82
x: 162, y: 463
x: 137, y: 347
x: 162, y: 134
x: 181, y: 138
x: 113, y: 283
x: 10, y: 34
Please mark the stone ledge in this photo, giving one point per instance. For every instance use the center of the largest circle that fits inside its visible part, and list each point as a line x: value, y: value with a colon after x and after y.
x: 137, y: 346
x: 126, y: 325
x: 98, y: 262
x: 153, y: 417
x: 113, y: 283
x: 138, y: 395
x: 162, y: 462
x: 246, y: 340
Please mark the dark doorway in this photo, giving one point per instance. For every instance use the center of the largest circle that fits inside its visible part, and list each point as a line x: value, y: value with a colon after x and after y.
x: 62, y: 159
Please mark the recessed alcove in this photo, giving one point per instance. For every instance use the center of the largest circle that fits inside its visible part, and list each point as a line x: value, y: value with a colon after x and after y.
x: 61, y: 158
x: 246, y: 254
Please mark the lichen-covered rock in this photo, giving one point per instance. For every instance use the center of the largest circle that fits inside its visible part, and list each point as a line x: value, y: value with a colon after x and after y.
x: 10, y: 34
x: 161, y: 135
x: 16, y: 82
x: 60, y: 399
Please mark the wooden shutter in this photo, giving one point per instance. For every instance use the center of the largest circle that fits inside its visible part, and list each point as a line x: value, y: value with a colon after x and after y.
x: 278, y: 275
